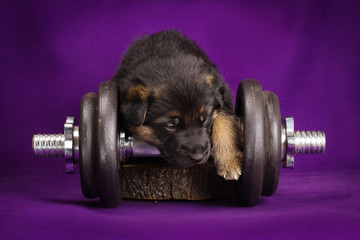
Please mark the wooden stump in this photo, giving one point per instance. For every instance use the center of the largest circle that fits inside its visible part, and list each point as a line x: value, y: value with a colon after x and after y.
x: 160, y: 181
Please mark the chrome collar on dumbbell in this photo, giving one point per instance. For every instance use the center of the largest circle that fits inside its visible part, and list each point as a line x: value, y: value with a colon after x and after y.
x: 299, y: 142
x: 60, y: 145
x: 67, y: 145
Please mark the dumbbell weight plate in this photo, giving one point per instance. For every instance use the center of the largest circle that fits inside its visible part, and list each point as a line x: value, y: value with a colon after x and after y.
x: 272, y: 144
x: 250, y: 107
x: 107, y: 139
x: 87, y: 140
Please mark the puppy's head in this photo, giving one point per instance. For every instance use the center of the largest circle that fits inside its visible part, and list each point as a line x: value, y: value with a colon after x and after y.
x: 174, y: 114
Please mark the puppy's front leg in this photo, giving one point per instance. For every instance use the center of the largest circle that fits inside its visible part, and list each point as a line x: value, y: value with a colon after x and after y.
x: 226, y: 140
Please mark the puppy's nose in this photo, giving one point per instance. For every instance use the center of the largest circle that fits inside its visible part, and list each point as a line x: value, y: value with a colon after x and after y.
x: 197, y: 157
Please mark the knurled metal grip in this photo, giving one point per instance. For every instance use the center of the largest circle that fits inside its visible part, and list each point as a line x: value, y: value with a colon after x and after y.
x: 67, y: 145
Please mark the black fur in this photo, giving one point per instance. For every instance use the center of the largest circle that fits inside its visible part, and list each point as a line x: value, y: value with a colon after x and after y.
x: 173, y: 70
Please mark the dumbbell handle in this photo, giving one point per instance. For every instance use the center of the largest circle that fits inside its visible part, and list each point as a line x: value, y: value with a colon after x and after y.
x: 67, y: 145
x: 131, y: 147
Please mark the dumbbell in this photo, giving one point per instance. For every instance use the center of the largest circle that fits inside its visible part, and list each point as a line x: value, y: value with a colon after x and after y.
x: 100, y: 145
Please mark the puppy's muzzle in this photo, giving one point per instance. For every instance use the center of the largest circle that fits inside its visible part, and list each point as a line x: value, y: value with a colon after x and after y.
x: 196, y: 153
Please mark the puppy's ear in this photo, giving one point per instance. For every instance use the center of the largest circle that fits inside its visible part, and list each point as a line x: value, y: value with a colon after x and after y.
x: 135, y: 104
x: 222, y: 93
x: 219, y: 97
x: 134, y: 112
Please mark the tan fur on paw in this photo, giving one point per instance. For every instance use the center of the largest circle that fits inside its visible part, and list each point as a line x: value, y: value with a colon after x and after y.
x: 226, y: 139
x: 230, y: 169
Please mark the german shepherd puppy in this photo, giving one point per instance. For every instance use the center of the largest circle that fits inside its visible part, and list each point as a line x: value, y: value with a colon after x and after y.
x: 173, y: 97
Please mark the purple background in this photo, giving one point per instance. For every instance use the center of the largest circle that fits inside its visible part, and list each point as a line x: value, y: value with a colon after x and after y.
x: 307, y: 52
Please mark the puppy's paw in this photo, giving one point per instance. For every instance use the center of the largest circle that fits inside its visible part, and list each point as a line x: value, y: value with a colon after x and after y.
x: 230, y: 169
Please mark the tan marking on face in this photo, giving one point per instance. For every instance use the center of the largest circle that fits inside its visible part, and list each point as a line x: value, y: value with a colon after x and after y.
x: 209, y: 79
x: 138, y: 92
x: 202, y: 109
x: 201, y: 116
x: 161, y: 120
x: 175, y: 113
x: 146, y: 134
x: 164, y: 119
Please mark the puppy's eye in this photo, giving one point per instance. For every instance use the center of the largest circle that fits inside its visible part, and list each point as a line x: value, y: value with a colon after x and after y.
x: 172, y: 125
x: 203, y: 119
